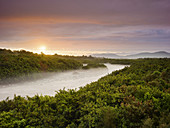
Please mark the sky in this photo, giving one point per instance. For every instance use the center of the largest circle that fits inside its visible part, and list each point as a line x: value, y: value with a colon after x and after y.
x: 85, y: 26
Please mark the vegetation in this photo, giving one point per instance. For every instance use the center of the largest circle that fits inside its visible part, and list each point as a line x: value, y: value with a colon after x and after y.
x: 136, y: 96
x: 90, y: 59
x: 20, y: 65
x: 93, y: 65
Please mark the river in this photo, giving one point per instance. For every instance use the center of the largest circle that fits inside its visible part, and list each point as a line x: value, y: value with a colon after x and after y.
x: 48, y: 85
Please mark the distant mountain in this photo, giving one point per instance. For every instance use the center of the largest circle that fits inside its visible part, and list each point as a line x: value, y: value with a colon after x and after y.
x: 160, y: 54
x: 106, y: 55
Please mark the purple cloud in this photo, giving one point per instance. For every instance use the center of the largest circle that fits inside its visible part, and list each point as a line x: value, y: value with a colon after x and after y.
x: 93, y: 24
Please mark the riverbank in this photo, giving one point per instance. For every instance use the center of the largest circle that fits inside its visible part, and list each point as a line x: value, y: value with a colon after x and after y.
x: 136, y: 96
x: 52, y: 82
x: 17, y: 66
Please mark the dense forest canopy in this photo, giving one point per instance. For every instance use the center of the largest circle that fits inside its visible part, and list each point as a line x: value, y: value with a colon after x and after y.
x: 136, y: 96
x: 16, y: 66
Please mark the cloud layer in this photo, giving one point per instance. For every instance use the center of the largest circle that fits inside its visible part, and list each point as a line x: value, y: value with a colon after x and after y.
x: 111, y: 25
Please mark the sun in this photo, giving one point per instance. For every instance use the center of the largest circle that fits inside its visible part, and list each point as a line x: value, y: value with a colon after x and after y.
x: 42, y: 48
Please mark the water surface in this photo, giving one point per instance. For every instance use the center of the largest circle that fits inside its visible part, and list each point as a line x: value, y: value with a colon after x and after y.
x: 56, y: 81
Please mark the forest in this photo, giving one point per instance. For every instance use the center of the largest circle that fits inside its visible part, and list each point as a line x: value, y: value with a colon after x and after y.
x: 16, y: 66
x: 134, y: 97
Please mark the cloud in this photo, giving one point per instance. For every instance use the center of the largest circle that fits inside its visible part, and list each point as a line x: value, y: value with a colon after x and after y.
x: 86, y: 24
x: 119, y: 12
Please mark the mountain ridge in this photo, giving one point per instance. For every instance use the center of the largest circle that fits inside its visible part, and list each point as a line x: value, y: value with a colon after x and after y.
x: 158, y: 54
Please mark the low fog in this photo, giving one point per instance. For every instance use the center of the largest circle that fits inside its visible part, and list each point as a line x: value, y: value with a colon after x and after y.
x: 48, y: 83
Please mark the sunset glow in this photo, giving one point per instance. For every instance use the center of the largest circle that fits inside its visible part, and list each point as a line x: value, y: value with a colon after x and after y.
x: 42, y: 48
x: 108, y: 25
x: 85, y: 63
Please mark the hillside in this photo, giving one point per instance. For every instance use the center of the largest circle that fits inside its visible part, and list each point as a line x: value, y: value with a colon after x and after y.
x: 107, y: 55
x: 16, y: 66
x: 137, y: 96
x: 160, y: 54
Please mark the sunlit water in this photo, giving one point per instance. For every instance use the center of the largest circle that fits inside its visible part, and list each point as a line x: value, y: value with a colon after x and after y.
x: 48, y: 85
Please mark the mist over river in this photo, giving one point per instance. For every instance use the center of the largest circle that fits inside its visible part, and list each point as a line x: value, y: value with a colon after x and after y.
x: 56, y: 81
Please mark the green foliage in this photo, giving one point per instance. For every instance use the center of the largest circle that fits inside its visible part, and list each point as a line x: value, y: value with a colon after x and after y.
x: 16, y: 66
x: 136, y: 96
x: 19, y: 65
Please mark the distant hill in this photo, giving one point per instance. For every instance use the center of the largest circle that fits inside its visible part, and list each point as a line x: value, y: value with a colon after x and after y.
x: 160, y: 54
x: 106, y: 55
